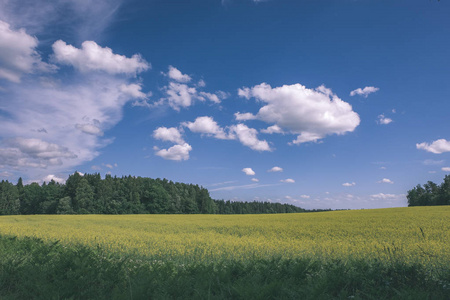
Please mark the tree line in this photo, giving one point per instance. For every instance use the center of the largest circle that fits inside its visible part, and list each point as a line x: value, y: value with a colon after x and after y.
x: 430, y: 194
x: 90, y: 194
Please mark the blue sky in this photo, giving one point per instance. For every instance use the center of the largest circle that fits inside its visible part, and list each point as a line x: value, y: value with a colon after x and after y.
x: 321, y: 104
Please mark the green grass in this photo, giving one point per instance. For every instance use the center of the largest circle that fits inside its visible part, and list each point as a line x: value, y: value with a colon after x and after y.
x: 31, y: 268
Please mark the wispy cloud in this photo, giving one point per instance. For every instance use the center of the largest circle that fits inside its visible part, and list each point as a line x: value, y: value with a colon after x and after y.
x: 245, y: 186
x: 364, y: 92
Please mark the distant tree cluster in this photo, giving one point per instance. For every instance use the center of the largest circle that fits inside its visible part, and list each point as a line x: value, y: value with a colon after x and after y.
x: 430, y: 194
x: 90, y: 194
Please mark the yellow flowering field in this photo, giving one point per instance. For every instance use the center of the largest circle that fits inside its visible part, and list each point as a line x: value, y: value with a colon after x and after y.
x: 413, y: 234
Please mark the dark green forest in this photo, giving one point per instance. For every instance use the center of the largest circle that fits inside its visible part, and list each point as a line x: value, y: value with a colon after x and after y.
x: 90, y: 194
x: 430, y: 194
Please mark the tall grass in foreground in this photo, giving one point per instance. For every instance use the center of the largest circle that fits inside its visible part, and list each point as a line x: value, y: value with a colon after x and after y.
x: 33, y: 269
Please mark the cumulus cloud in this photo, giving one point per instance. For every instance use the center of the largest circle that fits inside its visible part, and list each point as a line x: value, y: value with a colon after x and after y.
x: 201, y: 83
x: 134, y: 90
x: 249, y: 137
x: 206, y: 125
x: 168, y: 134
x: 273, y: 129
x: 178, y: 94
x: 364, y: 92
x: 385, y: 180
x: 176, y: 75
x: 248, y: 171
x: 177, y: 152
x: 211, y: 97
x: 275, y: 169
x: 288, y: 180
x: 18, y: 54
x: 305, y: 196
x: 382, y: 120
x: 349, y: 184
x: 312, y: 114
x: 446, y: 169
x: 51, y: 177
x: 437, y: 147
x: 92, y: 57
x: 244, y: 117
x: 255, y: 180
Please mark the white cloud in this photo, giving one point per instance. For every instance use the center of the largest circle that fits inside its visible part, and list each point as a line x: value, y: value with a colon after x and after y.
x: 211, y: 97
x: 168, y: 134
x: 438, y: 146
x: 431, y: 162
x: 305, y: 196
x: 78, y: 19
x: 201, y: 83
x: 349, y: 184
x: 312, y: 114
x: 92, y: 57
x: 446, y: 169
x: 176, y: 75
x: 179, y: 95
x: 385, y: 196
x: 288, y: 180
x: 177, y: 152
x: 34, y: 153
x: 72, y: 113
x: 248, y: 171
x: 385, y: 180
x: 364, y: 92
x: 255, y: 180
x: 6, y: 174
x: 249, y: 137
x: 246, y: 186
x: 383, y: 120
x: 18, y: 54
x: 275, y: 169
x: 273, y: 129
x: 134, y: 90
x: 51, y: 177
x: 207, y: 125
x: 89, y: 129
x: 244, y: 117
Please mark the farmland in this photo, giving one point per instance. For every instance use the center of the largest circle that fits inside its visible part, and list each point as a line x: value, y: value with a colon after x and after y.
x: 416, y: 238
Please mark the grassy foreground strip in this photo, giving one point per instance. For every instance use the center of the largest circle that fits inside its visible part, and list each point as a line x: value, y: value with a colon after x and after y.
x: 33, y: 269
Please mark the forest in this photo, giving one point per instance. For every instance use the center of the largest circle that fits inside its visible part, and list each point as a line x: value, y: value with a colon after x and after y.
x: 430, y: 194
x: 90, y: 194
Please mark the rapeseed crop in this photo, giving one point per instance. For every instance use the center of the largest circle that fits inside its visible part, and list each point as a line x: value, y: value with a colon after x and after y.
x: 407, y: 235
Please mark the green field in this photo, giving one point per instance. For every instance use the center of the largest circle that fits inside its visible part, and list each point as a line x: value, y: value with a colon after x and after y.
x: 393, y: 253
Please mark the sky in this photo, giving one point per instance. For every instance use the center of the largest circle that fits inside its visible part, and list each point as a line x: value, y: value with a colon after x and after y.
x: 320, y: 104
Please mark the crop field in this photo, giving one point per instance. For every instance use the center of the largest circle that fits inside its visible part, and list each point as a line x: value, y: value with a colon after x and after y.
x: 418, y: 236
x: 409, y: 234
